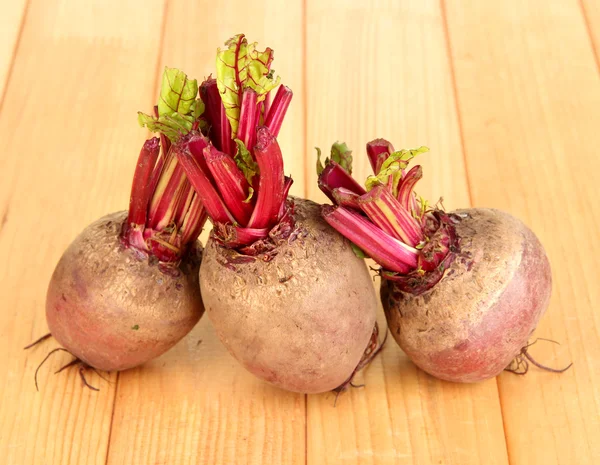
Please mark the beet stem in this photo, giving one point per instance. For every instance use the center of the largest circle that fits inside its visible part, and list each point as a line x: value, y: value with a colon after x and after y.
x: 378, y: 151
x: 389, y: 252
x: 386, y: 212
x: 407, y: 184
x: 232, y: 184
x: 271, y: 182
x: 141, y: 185
x: 248, y: 117
x: 211, y: 200
x: 278, y: 109
x: 334, y: 176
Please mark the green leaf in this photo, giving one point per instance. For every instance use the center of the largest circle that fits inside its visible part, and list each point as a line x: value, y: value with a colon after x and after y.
x: 358, y: 251
x: 178, y: 107
x: 172, y: 125
x: 239, y: 66
x: 197, y: 108
x: 341, y: 154
x: 244, y: 161
x: 424, y: 204
x: 250, y: 194
x: 135, y: 327
x: 177, y: 93
x: 393, y: 166
x: 320, y: 166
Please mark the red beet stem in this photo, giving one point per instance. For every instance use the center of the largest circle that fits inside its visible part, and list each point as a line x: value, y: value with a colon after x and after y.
x: 378, y: 150
x: 183, y: 203
x: 248, y: 118
x: 346, y: 198
x: 231, y: 183
x: 278, y: 109
x: 270, y: 194
x: 194, y: 220
x: 233, y: 236
x: 386, y: 212
x: 334, y: 177
x: 214, y: 112
x: 407, y: 184
x: 199, y: 179
x: 225, y: 134
x: 141, y: 185
x: 384, y: 249
x: 166, y: 195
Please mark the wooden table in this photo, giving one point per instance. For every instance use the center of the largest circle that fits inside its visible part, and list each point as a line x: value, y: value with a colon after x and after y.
x: 506, y: 94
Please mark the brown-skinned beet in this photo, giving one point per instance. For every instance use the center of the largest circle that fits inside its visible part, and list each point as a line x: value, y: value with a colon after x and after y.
x: 472, y: 324
x: 300, y: 321
x: 113, y: 309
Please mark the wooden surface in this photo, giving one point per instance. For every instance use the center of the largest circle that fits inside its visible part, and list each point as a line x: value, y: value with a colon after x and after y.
x: 506, y: 95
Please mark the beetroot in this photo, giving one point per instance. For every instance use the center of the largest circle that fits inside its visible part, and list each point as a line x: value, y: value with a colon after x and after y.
x: 462, y: 291
x: 284, y: 291
x: 126, y: 289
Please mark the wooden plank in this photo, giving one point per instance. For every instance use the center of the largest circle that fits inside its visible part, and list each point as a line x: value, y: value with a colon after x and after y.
x: 69, y: 139
x: 529, y: 93
x: 10, y: 29
x: 195, y: 404
x: 380, y: 69
x: 591, y: 14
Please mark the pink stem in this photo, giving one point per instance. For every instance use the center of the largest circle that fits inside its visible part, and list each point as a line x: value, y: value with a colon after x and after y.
x: 140, y: 189
x: 194, y: 220
x: 271, y: 183
x: 390, y: 253
x: 281, y: 102
x: 248, y: 118
x: 346, y: 198
x: 378, y: 151
x: 386, y: 212
x: 162, y: 206
x: 407, y: 184
x: 216, y: 209
x: 334, y: 176
x: 231, y: 183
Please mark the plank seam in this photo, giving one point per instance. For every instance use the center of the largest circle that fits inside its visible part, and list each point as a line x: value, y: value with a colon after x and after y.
x: 112, y: 416
x: 588, y: 28
x: 305, y: 170
x: 14, y: 54
x: 305, y: 99
x: 456, y: 104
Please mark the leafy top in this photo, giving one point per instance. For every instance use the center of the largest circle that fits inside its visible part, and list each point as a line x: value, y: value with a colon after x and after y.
x: 178, y: 107
x: 239, y: 66
x: 340, y: 153
x: 393, y: 166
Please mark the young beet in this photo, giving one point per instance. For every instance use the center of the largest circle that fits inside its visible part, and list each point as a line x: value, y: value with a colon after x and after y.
x: 284, y: 291
x: 462, y: 291
x: 126, y: 289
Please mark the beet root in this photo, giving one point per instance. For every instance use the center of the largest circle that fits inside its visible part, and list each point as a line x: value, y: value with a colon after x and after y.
x: 301, y: 320
x: 112, y: 308
x: 478, y: 317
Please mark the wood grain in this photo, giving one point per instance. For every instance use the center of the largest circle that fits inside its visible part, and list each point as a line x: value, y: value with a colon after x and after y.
x: 10, y: 29
x: 529, y: 94
x: 212, y: 410
x: 68, y: 144
x: 591, y: 14
x: 380, y: 69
